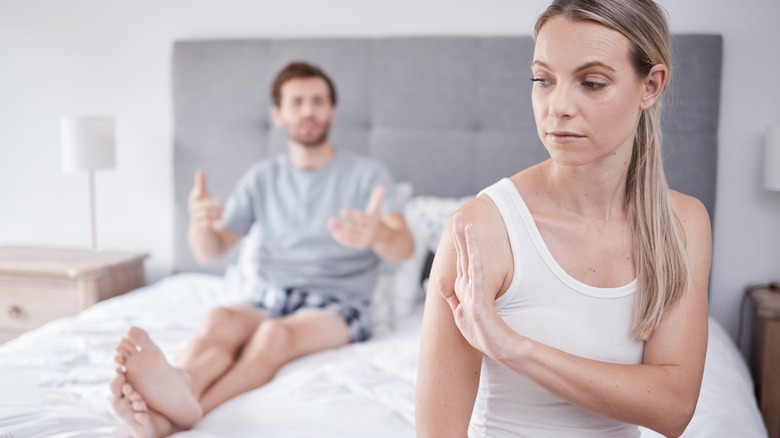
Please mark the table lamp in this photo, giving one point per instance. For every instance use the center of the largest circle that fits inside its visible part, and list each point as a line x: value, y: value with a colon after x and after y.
x: 772, y: 159
x: 88, y: 145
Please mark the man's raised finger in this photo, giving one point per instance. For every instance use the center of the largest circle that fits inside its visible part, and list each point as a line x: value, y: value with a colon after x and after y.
x: 375, y: 204
x: 200, y: 184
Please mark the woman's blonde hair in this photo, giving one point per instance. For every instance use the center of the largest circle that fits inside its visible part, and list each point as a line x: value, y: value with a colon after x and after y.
x: 659, y: 241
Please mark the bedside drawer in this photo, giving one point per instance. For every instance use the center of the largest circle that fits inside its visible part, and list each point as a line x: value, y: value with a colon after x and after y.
x: 6, y: 336
x: 38, y: 285
x: 26, y: 303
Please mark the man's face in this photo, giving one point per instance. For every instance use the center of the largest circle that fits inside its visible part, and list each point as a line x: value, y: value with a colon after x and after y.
x: 305, y: 112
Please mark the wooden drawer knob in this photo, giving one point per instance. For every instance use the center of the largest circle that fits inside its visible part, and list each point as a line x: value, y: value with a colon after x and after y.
x: 14, y: 312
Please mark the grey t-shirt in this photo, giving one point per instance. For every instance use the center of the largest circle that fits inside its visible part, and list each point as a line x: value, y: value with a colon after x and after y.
x: 292, y: 208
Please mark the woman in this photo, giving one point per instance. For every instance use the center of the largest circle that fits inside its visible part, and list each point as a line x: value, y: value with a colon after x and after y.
x: 571, y: 298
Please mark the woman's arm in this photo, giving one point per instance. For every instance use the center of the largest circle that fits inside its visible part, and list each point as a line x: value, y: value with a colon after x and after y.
x: 448, y: 374
x: 661, y: 393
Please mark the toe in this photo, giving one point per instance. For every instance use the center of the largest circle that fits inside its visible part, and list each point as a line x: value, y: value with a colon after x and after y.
x: 138, y: 337
x: 116, y: 385
x: 139, y: 406
x: 125, y: 348
x: 141, y: 417
x: 138, y: 402
x: 127, y: 390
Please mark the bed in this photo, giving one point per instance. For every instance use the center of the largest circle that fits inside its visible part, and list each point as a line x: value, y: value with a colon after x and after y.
x: 449, y: 116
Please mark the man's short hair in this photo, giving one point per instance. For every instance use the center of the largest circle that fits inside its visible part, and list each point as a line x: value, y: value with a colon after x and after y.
x: 296, y: 70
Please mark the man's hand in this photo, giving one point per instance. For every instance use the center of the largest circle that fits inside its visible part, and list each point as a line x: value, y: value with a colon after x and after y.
x: 205, y: 211
x: 360, y: 229
x: 207, y: 238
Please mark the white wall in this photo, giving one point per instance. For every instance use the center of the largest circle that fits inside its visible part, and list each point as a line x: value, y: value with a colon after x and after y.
x: 112, y: 57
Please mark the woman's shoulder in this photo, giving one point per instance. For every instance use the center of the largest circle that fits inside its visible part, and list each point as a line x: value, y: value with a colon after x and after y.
x: 695, y: 222
x: 484, y: 216
x: 479, y: 206
x: 688, y: 209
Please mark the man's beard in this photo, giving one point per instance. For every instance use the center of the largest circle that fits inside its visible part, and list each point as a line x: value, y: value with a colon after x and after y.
x: 317, y: 141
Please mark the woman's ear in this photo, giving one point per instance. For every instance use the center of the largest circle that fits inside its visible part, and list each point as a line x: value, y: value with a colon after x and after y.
x: 654, y: 83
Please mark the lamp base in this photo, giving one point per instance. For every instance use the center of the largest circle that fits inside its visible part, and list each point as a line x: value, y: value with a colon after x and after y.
x: 93, y: 232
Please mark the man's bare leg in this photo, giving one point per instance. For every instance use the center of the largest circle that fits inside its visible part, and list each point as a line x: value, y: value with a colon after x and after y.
x: 275, y: 343
x: 174, y: 392
x: 214, y: 350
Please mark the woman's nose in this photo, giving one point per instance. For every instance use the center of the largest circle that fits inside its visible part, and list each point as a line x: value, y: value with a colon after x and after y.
x: 562, y: 101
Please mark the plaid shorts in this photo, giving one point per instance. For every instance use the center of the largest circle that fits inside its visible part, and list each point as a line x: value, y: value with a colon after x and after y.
x: 278, y: 302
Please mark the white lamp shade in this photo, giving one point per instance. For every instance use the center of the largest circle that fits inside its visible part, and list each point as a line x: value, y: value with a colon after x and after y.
x: 772, y: 159
x: 87, y: 143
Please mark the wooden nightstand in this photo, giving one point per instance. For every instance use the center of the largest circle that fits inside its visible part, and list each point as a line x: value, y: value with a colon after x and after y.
x: 765, y: 355
x: 38, y: 285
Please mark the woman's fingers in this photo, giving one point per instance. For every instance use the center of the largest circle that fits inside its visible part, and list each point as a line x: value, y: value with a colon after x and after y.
x: 475, y: 262
x: 460, y: 246
x: 447, y: 292
x: 468, y: 231
x: 477, y: 279
x: 458, y: 267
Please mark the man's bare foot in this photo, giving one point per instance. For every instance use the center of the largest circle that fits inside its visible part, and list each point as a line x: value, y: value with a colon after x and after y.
x: 164, y: 388
x: 131, y: 408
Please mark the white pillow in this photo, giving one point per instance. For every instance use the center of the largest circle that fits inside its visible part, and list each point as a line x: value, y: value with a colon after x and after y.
x: 248, y: 262
x: 426, y: 217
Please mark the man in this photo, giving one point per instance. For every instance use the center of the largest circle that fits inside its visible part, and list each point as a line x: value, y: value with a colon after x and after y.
x: 318, y: 256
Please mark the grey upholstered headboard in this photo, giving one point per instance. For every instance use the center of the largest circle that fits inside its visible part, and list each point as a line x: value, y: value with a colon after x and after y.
x: 451, y: 115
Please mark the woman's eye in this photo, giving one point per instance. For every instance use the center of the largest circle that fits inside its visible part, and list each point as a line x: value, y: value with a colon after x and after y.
x: 541, y: 81
x: 593, y: 85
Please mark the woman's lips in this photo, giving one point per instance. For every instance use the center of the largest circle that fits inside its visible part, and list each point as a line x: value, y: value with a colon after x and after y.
x: 563, y: 137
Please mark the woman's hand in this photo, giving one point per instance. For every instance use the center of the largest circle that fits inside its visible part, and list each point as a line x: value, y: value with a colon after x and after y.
x: 474, y: 309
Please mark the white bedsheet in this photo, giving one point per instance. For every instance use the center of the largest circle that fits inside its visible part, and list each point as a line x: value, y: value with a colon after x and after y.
x: 53, y: 381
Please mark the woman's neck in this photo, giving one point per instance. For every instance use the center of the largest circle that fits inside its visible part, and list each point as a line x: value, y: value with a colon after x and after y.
x: 587, y: 191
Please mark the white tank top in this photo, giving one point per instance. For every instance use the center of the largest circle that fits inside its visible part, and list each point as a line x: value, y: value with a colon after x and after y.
x: 546, y: 304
